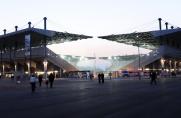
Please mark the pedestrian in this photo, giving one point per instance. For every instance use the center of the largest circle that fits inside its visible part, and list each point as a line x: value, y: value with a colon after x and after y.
x: 102, y: 77
x: 51, y: 79
x: 33, y: 82
x: 99, y: 78
x: 110, y: 75
x: 153, y: 77
x: 46, y: 82
x: 40, y: 77
x: 91, y: 76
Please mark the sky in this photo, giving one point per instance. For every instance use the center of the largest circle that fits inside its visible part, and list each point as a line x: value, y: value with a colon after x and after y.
x: 90, y: 17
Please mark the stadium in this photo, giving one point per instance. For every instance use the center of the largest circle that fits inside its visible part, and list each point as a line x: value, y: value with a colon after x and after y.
x: 164, y: 55
x: 25, y: 51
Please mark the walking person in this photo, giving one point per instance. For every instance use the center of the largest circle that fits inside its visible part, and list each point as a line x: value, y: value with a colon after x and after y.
x: 99, y: 78
x: 102, y: 77
x: 110, y: 75
x: 40, y: 77
x: 153, y: 77
x: 91, y: 76
x: 33, y: 83
x: 51, y: 79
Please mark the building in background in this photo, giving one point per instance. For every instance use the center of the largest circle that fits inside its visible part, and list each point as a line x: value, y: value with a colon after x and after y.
x: 165, y: 56
x: 25, y: 51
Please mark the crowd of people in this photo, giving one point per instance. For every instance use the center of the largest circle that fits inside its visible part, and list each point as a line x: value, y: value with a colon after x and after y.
x: 101, y: 77
x: 34, y: 79
x: 49, y: 80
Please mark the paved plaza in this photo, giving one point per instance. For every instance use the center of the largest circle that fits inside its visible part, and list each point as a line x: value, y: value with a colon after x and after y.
x: 89, y: 99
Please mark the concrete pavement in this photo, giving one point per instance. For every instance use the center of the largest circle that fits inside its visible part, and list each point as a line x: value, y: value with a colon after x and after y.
x: 82, y: 99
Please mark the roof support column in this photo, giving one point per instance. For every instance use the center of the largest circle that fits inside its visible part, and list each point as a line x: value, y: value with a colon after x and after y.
x: 61, y: 72
x: 10, y: 52
x: 170, y: 66
x: 2, y: 57
x: 1, y: 63
x: 4, y: 46
x: 175, y: 66
x: 15, y: 61
x: 14, y: 56
x: 45, y: 23
x: 45, y: 62
x: 28, y: 51
x: 3, y: 71
x: 160, y: 23
x: 4, y: 31
x: 166, y: 24
x: 139, y: 60
x: 16, y: 28
x: 30, y: 57
x: 29, y: 23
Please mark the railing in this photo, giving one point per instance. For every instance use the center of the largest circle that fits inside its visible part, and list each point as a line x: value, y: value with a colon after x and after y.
x: 20, y: 54
x: 117, y: 64
x: 56, y: 59
x: 146, y: 59
x: 155, y: 55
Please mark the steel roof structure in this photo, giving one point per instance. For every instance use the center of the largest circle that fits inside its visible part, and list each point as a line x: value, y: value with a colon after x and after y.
x: 38, y: 37
x: 148, y: 40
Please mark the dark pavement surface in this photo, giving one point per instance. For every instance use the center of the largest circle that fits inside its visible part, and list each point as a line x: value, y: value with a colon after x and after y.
x: 88, y: 99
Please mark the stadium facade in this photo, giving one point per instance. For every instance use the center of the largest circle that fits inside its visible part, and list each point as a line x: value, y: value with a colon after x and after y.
x: 25, y: 51
x: 165, y: 56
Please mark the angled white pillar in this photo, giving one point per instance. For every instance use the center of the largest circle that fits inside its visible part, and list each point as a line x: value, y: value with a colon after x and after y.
x: 45, y: 63
x: 28, y: 63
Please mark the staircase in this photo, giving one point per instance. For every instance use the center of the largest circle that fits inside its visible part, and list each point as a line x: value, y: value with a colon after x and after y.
x: 39, y: 53
x: 154, y: 55
x: 57, y: 60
